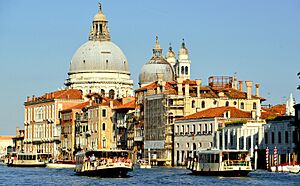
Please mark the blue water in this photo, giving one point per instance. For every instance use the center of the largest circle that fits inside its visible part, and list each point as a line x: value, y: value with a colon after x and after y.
x: 154, y: 176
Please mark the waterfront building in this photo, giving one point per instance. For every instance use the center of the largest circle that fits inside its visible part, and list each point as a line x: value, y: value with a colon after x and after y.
x: 297, y: 131
x: 18, y: 140
x: 160, y: 103
x: 6, y: 146
x: 68, y: 147
x: 197, y: 131
x: 99, y: 65
x: 41, y: 120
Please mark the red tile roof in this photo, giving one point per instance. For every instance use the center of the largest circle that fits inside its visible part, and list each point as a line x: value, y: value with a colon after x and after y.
x: 6, y: 137
x: 130, y: 105
x: 277, y: 110
x: 60, y: 94
x: 218, y: 112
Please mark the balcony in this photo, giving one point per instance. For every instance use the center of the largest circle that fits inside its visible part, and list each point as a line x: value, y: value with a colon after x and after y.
x: 138, y: 138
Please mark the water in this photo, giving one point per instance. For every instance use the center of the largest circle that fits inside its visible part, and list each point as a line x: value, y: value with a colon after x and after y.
x: 154, y: 176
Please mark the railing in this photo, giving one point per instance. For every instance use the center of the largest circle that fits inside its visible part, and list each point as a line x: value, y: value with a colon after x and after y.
x: 230, y: 163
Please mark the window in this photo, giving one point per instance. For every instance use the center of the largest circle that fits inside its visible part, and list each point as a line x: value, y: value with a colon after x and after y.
x: 266, y: 138
x: 187, y: 145
x: 103, y: 126
x: 254, y: 105
x: 177, y: 145
x: 111, y: 94
x: 104, y: 143
x: 103, y: 112
x: 279, y: 137
x: 242, y: 105
x: 193, y: 104
x: 234, y: 103
x: 182, y: 70
x: 200, y: 145
x: 286, y: 137
x: 186, y: 70
x: 203, y: 104
x: 273, y: 138
x: 102, y: 92
x: 227, y: 104
x: 194, y: 146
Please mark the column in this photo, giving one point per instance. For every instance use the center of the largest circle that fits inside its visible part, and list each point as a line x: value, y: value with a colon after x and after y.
x: 218, y: 139
x: 252, y: 141
x: 245, y: 139
x: 223, y: 139
x: 228, y: 139
x: 238, y: 139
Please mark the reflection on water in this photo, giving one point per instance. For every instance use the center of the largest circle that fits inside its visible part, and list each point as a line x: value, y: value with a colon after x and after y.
x: 154, y: 176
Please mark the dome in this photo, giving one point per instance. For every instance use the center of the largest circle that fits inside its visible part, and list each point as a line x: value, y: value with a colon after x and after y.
x: 157, y: 65
x: 99, y: 56
x: 150, y: 71
x: 100, y: 17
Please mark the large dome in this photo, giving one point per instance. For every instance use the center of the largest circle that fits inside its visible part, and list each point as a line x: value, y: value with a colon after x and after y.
x: 99, y: 56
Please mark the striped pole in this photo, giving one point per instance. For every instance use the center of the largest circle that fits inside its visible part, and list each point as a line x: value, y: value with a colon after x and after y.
x: 275, y: 158
x: 267, y: 158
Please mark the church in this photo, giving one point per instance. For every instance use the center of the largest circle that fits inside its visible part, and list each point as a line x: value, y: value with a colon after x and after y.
x: 99, y: 65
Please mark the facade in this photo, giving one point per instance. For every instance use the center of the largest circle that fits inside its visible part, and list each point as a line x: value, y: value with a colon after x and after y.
x: 167, y: 101
x: 6, y: 146
x: 18, y: 140
x: 41, y: 120
x: 99, y: 65
x: 200, y: 131
x: 297, y: 131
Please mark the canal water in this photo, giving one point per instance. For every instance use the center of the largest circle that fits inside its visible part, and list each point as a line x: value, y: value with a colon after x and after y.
x: 154, y: 176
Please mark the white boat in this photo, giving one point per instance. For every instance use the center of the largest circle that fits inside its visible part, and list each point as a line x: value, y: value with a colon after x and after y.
x: 103, y: 163
x: 144, y: 164
x: 280, y: 168
x: 294, y: 169
x: 27, y: 160
x: 232, y: 163
x: 63, y: 164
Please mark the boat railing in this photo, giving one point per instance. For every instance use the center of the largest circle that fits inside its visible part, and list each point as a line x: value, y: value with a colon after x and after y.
x: 230, y: 163
x: 108, y: 162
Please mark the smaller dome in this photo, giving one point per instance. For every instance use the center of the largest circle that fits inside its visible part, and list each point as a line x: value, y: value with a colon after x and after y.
x: 183, y: 50
x: 170, y: 53
x: 100, y: 16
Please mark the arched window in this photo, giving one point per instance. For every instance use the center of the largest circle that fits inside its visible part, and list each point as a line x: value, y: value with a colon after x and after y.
x: 102, y: 92
x: 242, y: 105
x: 194, y: 146
x: 111, y: 94
x: 203, y: 104
x: 104, y: 143
x: 254, y: 105
x: 286, y: 137
x: 227, y: 104
x: 186, y: 70
x: 193, y: 104
x: 171, y: 118
x: 234, y: 103
x: 103, y: 126
x: 279, y: 137
x: 182, y: 70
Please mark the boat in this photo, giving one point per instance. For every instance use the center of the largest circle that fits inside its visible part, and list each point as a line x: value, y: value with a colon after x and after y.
x: 228, y: 163
x: 280, y: 168
x: 27, y: 160
x: 294, y: 169
x: 62, y: 164
x: 144, y: 164
x: 103, y: 163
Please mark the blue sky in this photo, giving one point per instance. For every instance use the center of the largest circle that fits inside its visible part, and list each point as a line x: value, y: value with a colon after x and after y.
x: 258, y: 40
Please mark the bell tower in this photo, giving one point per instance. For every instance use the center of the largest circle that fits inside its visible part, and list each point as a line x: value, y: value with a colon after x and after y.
x: 184, y: 63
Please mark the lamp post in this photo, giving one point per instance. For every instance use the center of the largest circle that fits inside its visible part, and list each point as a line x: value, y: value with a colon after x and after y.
x: 255, y: 165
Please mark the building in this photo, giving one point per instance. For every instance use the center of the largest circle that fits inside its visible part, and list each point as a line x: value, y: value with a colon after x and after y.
x: 99, y: 65
x: 160, y: 103
x: 199, y: 130
x: 18, y: 140
x: 297, y: 131
x: 6, y: 146
x: 41, y: 120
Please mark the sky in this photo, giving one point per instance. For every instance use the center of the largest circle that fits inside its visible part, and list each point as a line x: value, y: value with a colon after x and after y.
x: 256, y: 40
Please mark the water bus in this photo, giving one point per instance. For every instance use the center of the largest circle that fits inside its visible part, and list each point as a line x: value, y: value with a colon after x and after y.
x: 103, y: 163
x: 27, y: 160
x: 231, y: 163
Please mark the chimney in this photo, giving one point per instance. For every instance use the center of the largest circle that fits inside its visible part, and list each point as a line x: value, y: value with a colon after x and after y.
x: 28, y: 98
x: 187, y: 88
x: 179, y: 86
x: 17, y: 131
x: 234, y: 83
x: 198, y: 82
x: 249, y: 89
x: 111, y: 104
x: 257, y: 89
x: 163, y: 84
x: 241, y: 85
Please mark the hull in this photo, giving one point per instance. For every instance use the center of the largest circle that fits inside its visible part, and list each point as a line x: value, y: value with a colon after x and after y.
x: 233, y: 173
x: 60, y: 166
x: 26, y: 165
x: 280, y: 169
x: 294, y: 169
x: 106, y: 172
